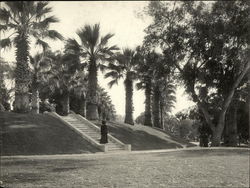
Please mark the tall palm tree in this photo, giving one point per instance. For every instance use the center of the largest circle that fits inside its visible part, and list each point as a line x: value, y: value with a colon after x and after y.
x: 167, y: 98
x: 145, y: 71
x: 25, y: 19
x: 40, y: 64
x: 124, y: 67
x: 96, y: 50
x: 161, y: 73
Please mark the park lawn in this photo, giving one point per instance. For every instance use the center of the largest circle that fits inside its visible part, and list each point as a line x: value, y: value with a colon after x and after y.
x: 183, y: 168
x: 35, y: 134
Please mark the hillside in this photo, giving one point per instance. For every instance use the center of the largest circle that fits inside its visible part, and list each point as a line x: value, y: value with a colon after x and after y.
x: 29, y: 134
x: 144, y: 138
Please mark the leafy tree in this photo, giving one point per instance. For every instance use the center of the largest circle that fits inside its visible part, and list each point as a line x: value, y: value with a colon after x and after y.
x: 204, y: 44
x: 5, y: 73
x: 124, y: 66
x: 25, y: 19
x: 96, y: 51
x: 106, y: 109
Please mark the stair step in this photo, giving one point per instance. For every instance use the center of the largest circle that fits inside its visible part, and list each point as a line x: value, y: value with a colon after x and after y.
x: 87, y: 128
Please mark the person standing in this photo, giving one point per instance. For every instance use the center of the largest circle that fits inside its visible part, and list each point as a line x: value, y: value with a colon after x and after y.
x: 104, y: 133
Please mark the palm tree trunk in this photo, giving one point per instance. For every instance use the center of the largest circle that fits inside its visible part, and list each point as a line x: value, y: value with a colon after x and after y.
x: 156, y: 106
x: 92, y: 110
x: 82, y: 110
x: 65, y: 103
x: 35, y: 101
x: 248, y: 105
x: 162, y: 116
x: 129, y: 102
x: 147, y: 114
x: 22, y: 75
x: 35, y: 96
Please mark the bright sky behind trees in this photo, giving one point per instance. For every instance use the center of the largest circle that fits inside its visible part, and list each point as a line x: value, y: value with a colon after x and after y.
x: 118, y: 17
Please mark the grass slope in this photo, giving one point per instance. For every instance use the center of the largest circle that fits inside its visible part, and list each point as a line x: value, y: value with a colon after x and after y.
x: 30, y: 134
x: 143, y: 137
x: 40, y: 134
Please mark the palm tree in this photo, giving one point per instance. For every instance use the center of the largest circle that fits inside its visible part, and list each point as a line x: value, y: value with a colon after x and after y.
x: 124, y: 67
x: 96, y: 50
x: 25, y: 19
x: 64, y: 77
x: 161, y: 88
x: 40, y: 64
x: 167, y: 98
x: 145, y: 71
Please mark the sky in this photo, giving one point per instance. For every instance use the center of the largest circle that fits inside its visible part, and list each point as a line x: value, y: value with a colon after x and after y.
x: 118, y: 17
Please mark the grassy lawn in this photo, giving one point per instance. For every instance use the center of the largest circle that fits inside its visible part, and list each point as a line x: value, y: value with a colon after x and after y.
x: 197, y: 168
x: 27, y: 134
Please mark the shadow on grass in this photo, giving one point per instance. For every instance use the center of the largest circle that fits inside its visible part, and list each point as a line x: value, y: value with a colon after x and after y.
x: 205, y: 153
x: 23, y: 177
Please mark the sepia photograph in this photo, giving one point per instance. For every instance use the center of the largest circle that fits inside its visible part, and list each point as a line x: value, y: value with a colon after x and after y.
x: 125, y: 94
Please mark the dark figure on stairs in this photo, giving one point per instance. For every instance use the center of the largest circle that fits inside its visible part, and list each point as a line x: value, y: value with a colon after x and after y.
x: 104, y: 133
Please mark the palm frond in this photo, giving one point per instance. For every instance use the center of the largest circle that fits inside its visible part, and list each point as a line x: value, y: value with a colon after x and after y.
x: 47, y: 21
x: 3, y: 27
x: 72, y: 46
x: 4, y: 15
x: 105, y: 39
x: 6, y: 43
x: 111, y: 74
x: 42, y: 9
x: 112, y: 82
x: 102, y: 67
x: 54, y: 35
x: 42, y: 43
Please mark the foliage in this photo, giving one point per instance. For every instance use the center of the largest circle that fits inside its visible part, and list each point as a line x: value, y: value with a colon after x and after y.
x: 140, y: 119
x: 208, y: 46
x: 25, y: 19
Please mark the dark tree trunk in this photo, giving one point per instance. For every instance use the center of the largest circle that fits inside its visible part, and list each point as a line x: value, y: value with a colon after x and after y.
x: 162, y: 115
x: 35, y: 96
x: 92, y: 110
x: 82, y: 110
x: 156, y: 107
x: 248, y: 104
x: 22, y: 75
x: 35, y: 101
x: 147, y: 113
x: 65, y: 103
x: 129, y: 102
x: 232, y: 126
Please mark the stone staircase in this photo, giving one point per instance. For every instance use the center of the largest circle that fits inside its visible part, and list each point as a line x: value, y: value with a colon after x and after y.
x: 91, y: 133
